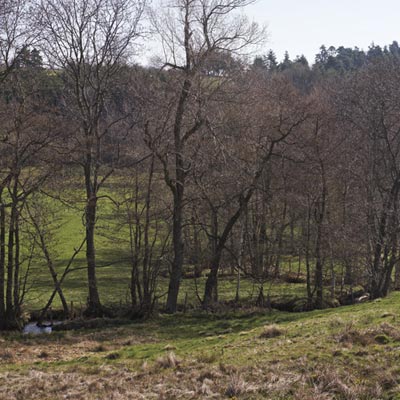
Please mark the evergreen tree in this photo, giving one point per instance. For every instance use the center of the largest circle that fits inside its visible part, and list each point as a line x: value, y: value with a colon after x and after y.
x: 302, y: 60
x: 286, y: 63
x: 29, y: 59
x: 394, y: 49
x: 259, y: 62
x: 374, y: 52
x: 271, y: 61
x: 321, y: 58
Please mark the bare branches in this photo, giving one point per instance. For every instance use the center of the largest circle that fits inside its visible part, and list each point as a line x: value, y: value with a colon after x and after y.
x: 15, y: 33
x: 192, y: 30
x: 88, y: 32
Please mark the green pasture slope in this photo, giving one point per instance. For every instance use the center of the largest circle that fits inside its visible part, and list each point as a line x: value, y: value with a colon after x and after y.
x: 113, y: 272
x: 351, y: 352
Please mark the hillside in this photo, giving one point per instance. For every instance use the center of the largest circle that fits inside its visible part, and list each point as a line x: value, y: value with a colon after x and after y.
x: 344, y: 353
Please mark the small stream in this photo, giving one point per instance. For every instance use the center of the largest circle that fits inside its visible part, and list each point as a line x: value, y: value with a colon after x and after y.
x: 33, y: 329
x: 47, y: 327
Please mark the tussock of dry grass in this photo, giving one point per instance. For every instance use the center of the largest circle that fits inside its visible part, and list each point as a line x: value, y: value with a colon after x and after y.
x: 6, y: 356
x: 382, y: 334
x: 168, y: 361
x: 389, y: 315
x: 207, y: 358
x: 113, y: 356
x: 354, y: 336
x: 236, y: 386
x: 169, y: 347
x: 99, y: 348
x: 329, y: 381
x: 336, y: 322
x: 205, y: 388
x: 343, y: 387
x: 271, y: 331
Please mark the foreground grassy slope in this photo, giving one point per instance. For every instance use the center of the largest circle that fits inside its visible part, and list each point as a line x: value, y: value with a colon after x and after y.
x: 345, y: 353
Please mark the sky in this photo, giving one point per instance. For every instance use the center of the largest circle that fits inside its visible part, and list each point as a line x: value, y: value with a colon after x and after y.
x: 302, y: 26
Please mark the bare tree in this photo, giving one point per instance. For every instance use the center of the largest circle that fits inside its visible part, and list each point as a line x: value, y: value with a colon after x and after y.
x: 30, y: 131
x: 14, y: 36
x: 372, y: 109
x: 41, y: 218
x: 89, y: 41
x: 15, y: 33
x: 193, y: 33
x: 258, y: 136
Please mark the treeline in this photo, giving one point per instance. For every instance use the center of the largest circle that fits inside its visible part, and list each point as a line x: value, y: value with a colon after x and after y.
x: 328, y: 61
x: 211, y: 164
x: 340, y: 60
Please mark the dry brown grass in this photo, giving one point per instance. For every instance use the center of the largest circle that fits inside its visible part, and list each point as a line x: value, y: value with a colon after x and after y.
x: 6, y: 356
x: 170, y: 360
x: 381, y: 334
x: 236, y: 386
x: 207, y: 358
x: 350, y: 335
x: 298, y: 379
x: 316, y: 360
x: 70, y: 347
x: 271, y: 331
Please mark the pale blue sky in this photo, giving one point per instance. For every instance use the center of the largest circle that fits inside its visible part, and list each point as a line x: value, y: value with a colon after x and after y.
x: 301, y: 26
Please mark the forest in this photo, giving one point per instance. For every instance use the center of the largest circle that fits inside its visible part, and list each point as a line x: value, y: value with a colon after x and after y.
x: 213, y: 184
x: 206, y: 166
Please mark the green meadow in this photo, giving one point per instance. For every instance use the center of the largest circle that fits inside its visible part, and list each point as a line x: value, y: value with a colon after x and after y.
x: 114, y: 263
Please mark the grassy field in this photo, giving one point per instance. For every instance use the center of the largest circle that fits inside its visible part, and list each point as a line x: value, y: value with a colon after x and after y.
x: 350, y: 352
x: 113, y: 266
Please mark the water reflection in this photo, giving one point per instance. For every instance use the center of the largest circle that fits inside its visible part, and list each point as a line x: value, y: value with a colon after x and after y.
x: 34, y: 329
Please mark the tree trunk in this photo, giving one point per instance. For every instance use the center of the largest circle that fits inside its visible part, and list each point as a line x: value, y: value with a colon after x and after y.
x: 348, y: 273
x: 135, y: 244
x: 319, y: 284
x: 281, y: 232
x: 147, y: 288
x: 53, y: 274
x: 94, y: 307
x: 319, y: 219
x: 16, y: 266
x: 10, y: 320
x: 2, y: 266
x: 307, y: 255
x: 177, y: 264
x: 379, y: 270
x: 212, y: 279
x: 211, y: 282
x: 178, y: 188
x: 397, y: 277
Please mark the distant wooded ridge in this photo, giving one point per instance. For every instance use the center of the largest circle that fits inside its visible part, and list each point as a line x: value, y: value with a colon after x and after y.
x: 338, y: 59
